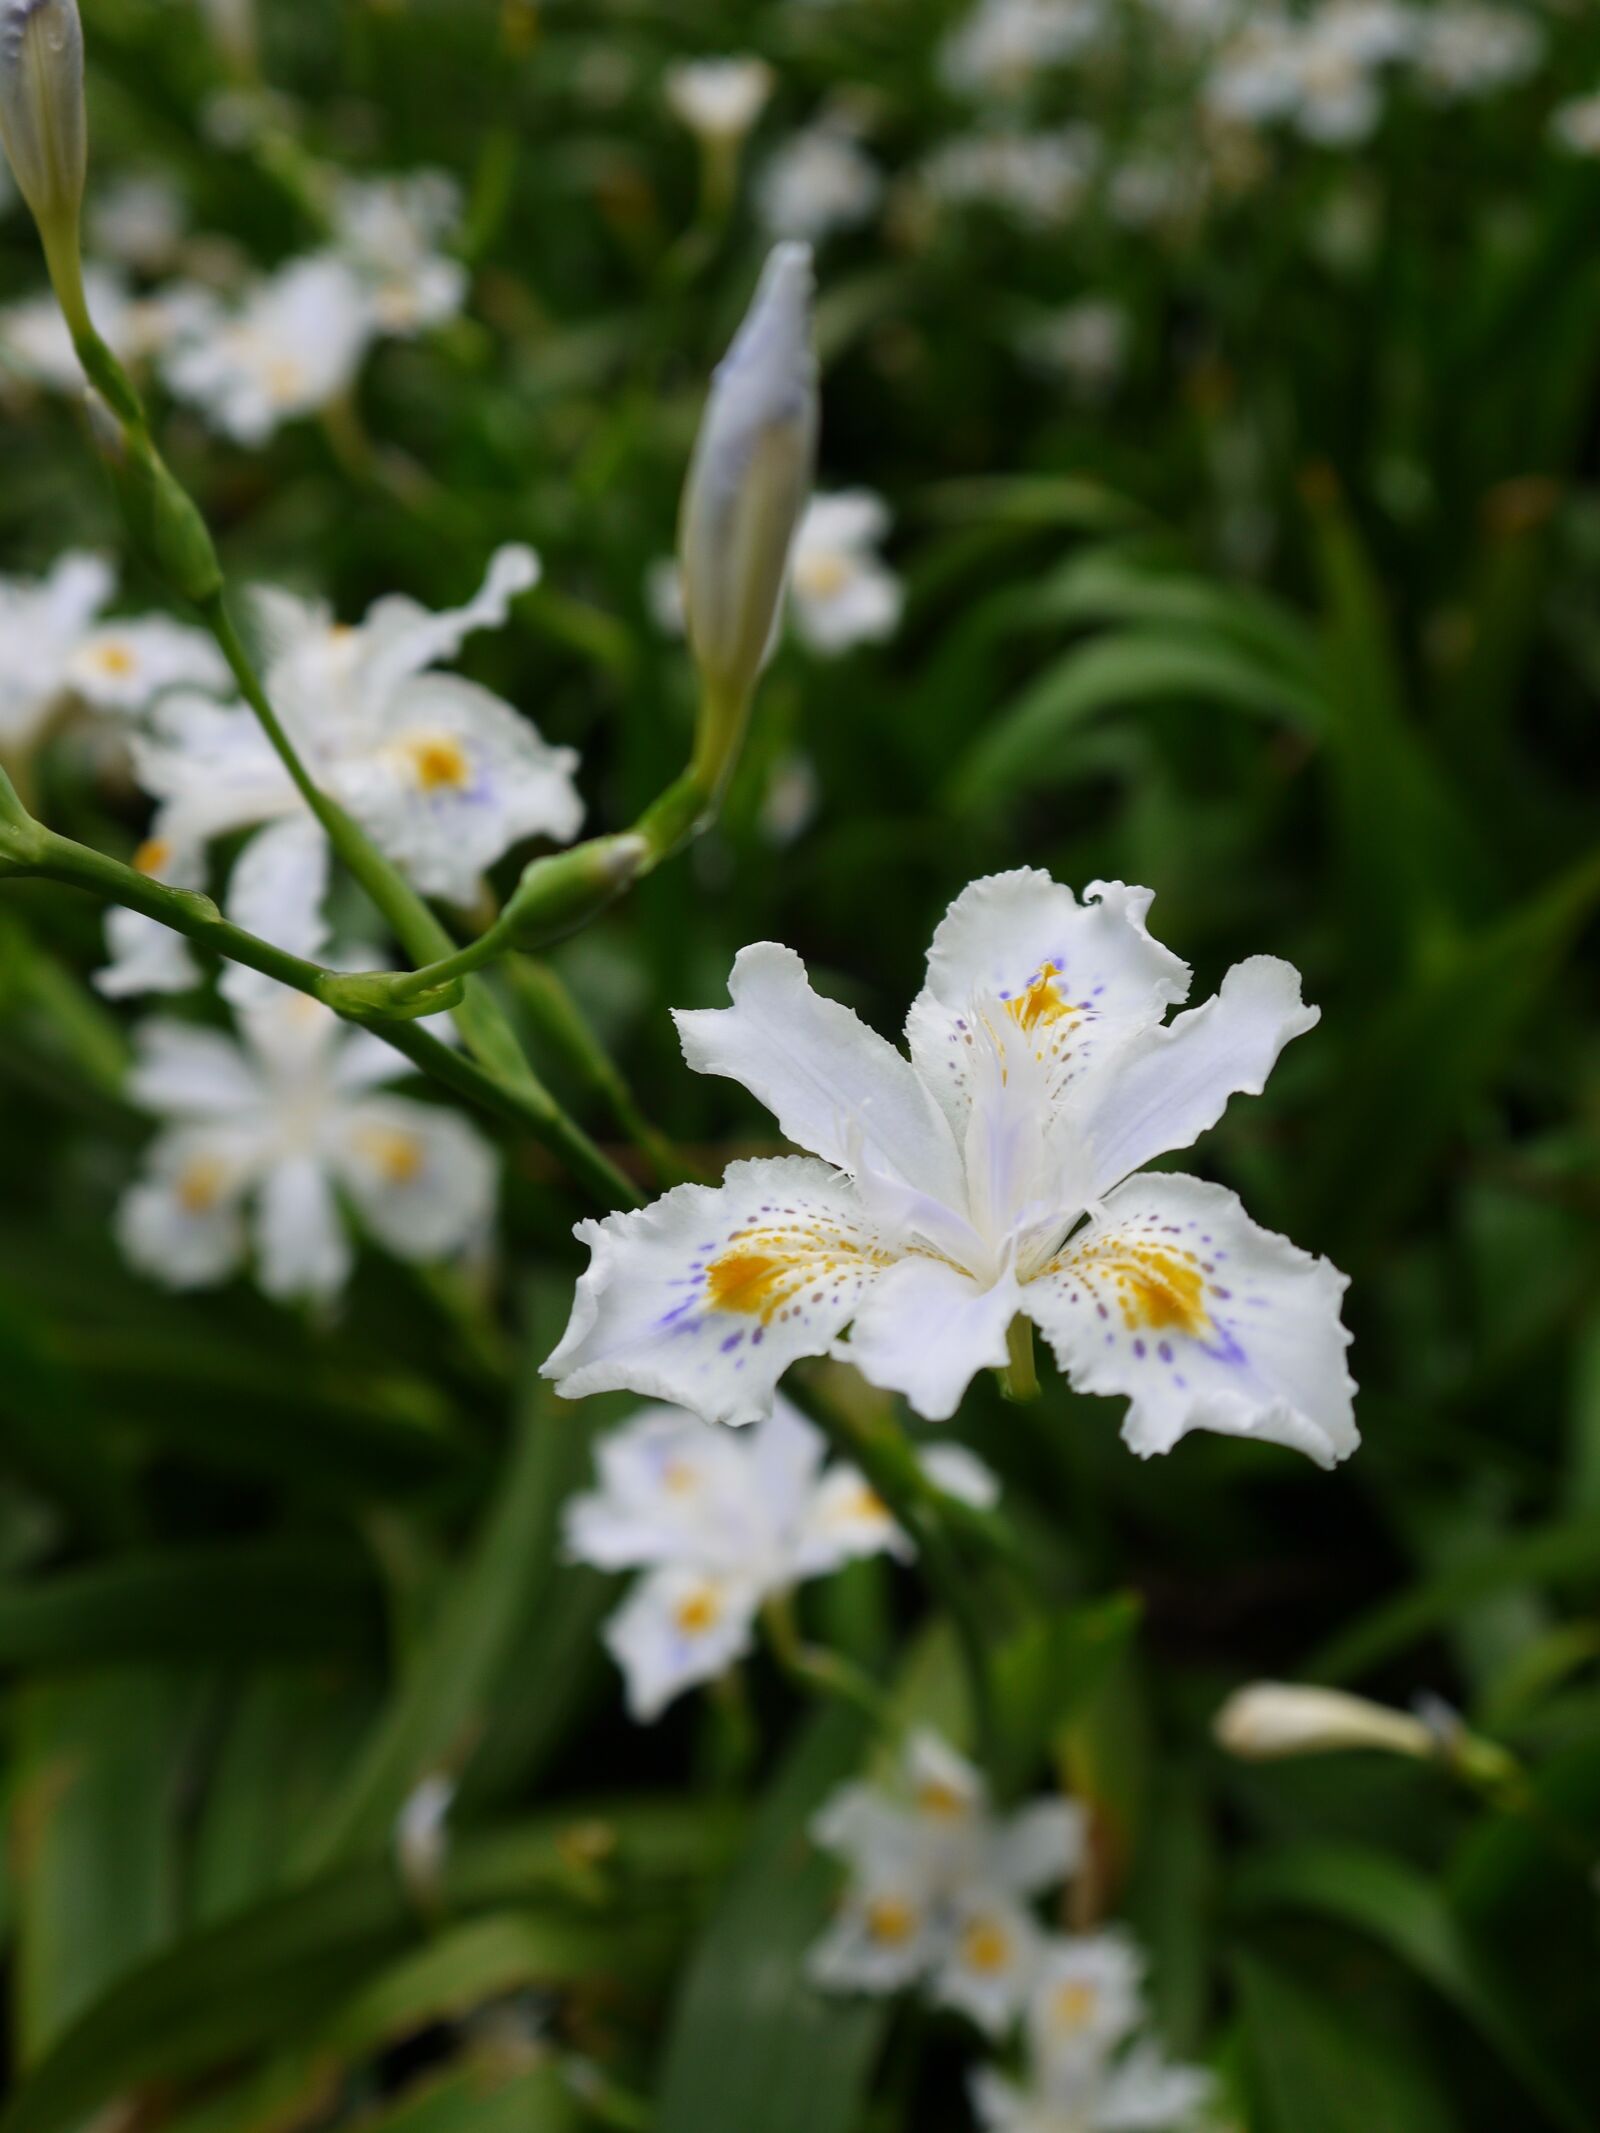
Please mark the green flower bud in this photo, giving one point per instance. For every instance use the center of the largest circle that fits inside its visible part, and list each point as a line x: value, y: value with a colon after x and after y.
x: 42, y: 120
x: 748, y: 483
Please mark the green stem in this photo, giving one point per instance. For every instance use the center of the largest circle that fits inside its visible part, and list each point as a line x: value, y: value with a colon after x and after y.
x: 818, y: 1671
x: 1019, y: 1380
x: 522, y: 1101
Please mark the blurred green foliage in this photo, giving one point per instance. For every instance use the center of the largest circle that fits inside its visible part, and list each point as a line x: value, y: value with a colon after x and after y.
x: 1299, y: 629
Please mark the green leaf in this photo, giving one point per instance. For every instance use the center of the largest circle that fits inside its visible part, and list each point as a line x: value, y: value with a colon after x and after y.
x: 1023, y: 746
x: 1432, y: 1054
x: 277, y: 1600
x: 1050, y: 1672
x: 443, y: 1702
x: 93, y: 1839
x: 1406, y: 1913
x: 752, y: 2045
x: 1319, y: 2065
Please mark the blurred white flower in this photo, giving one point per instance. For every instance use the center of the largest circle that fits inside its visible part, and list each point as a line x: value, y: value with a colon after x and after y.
x: 1575, y: 125
x: 719, y: 99
x: 1323, y: 74
x: 939, y: 1886
x: 292, y: 347
x: 138, y: 221
x: 444, y: 777
x: 55, y: 649
x: 1086, y: 343
x: 720, y: 1525
x: 993, y: 1174
x: 1466, y: 50
x: 819, y: 181
x: 392, y: 231
x: 1041, y: 178
x: 36, y: 346
x: 842, y: 593
x: 663, y: 595
x: 1003, y: 45
x: 262, y: 1140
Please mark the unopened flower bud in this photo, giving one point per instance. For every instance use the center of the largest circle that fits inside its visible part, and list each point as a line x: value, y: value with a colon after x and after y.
x: 1271, y: 1719
x: 42, y: 120
x: 748, y: 484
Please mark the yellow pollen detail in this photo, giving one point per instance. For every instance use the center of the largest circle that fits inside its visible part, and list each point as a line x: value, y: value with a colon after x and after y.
x: 1040, y: 1003
x: 822, y: 576
x: 1074, y: 2007
x: 867, y: 1503
x: 398, y: 1156
x: 891, y: 1921
x: 940, y: 1800
x: 1160, y: 1290
x: 699, y: 1612
x: 200, y: 1185
x: 115, y: 659
x: 986, y: 1947
x: 152, y: 856
x: 749, y: 1282
x: 440, y: 764
x: 284, y: 380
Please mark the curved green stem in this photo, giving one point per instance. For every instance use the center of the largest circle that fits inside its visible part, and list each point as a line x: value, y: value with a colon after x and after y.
x: 818, y: 1671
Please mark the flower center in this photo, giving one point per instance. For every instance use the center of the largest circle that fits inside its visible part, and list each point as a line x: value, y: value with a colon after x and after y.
x: 1074, y: 2006
x: 396, y: 1156
x: 891, y: 1921
x: 698, y: 1612
x: 986, y: 1947
x: 440, y: 763
x: 822, y: 576
x: 115, y: 659
x: 285, y: 381
x: 200, y: 1185
x: 943, y: 1802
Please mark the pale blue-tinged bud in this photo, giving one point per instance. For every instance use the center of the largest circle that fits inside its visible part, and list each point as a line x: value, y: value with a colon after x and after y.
x: 748, y: 483
x: 42, y: 120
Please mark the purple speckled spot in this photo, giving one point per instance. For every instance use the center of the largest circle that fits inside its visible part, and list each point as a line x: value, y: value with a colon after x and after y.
x: 1139, y: 1350
x: 1165, y: 1351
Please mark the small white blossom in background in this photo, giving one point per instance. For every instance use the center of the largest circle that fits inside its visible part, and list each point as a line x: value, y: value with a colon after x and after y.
x: 292, y: 347
x: 392, y: 233
x: 1004, y: 45
x: 56, y: 649
x: 36, y: 347
x: 940, y: 1887
x: 1086, y: 343
x: 995, y: 1173
x: 444, y: 777
x: 266, y: 1136
x: 719, y: 99
x: 820, y: 181
x: 138, y: 221
x: 1089, y: 2071
x: 1467, y: 51
x: 720, y: 1525
x: 841, y: 591
x: 1575, y: 125
x: 1041, y: 178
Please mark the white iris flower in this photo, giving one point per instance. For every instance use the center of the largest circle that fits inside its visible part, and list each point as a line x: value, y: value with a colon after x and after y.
x: 444, y: 777
x: 940, y: 1887
x: 990, y: 1175
x: 263, y: 1139
x: 720, y: 1525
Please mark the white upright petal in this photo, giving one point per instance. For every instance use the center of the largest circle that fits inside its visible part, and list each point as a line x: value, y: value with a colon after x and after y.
x: 1206, y: 1321
x: 707, y: 1296
x: 401, y: 639
x: 1073, y: 980
x: 835, y: 1086
x: 845, y: 1520
x: 278, y: 891
x: 145, y: 957
x: 302, y: 1247
x: 1145, y: 2093
x: 1040, y: 1846
x: 664, y: 1494
x: 926, y: 1329
x: 678, y: 1627
x: 1169, y: 1085
x: 422, y: 1179
x: 182, y: 1072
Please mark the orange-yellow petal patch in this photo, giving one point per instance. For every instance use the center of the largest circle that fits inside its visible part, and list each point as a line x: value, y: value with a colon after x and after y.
x: 1158, y: 1287
x: 1042, y: 1002
x: 153, y: 857
x: 698, y: 1612
x: 201, y: 1184
x: 986, y: 1946
x: 891, y: 1921
x: 439, y: 762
